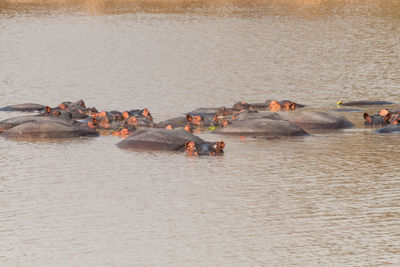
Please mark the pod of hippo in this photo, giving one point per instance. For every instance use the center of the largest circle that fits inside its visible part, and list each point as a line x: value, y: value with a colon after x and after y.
x: 258, y: 120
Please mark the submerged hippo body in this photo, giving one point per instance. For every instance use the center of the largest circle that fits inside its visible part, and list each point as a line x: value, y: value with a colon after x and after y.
x: 267, y: 128
x: 376, y: 120
x: 48, y: 129
x: 365, y: 103
x: 321, y: 121
x: 274, y: 105
x: 15, y: 121
x: 166, y: 140
x: 390, y: 129
x: 178, y: 122
x: 347, y: 110
x: 245, y: 116
x: 26, y: 107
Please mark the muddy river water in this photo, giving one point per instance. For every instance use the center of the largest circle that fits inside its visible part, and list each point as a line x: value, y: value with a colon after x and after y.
x: 329, y: 199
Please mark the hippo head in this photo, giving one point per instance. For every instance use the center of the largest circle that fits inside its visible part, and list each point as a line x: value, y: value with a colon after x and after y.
x: 5, y: 126
x: 241, y: 105
x: 146, y: 113
x: 274, y: 106
x: 288, y: 105
x: 206, y: 149
x: 132, y: 121
x: 80, y: 103
x: 56, y: 112
x: 284, y: 105
x: 377, y: 120
x: 195, y: 120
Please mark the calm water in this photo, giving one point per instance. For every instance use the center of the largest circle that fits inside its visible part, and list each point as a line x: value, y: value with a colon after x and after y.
x: 329, y: 199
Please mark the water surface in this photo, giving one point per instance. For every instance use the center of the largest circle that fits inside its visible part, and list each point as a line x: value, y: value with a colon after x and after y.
x: 325, y: 199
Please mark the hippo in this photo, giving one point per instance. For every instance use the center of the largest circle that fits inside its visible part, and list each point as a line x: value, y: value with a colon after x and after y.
x: 48, y: 128
x: 259, y: 115
x: 77, y: 109
x: 261, y: 127
x: 365, y: 103
x: 241, y: 105
x: 56, y: 112
x: 347, y: 110
x: 177, y: 122
x: 140, y: 113
x: 120, y: 123
x: 320, y: 121
x: 15, y: 121
x: 389, y: 129
x: 26, y: 107
x: 170, y: 140
x: 377, y: 119
x: 274, y: 105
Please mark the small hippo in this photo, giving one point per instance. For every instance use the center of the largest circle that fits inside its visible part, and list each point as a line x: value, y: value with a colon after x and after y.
x: 377, y: 120
x: 26, y: 107
x: 275, y: 105
x: 56, y: 112
x: 77, y: 109
x: 177, y: 122
x: 365, y: 103
x: 320, y: 121
x: 261, y: 127
x: 15, y: 121
x: 389, y: 129
x: 48, y: 128
x: 170, y: 140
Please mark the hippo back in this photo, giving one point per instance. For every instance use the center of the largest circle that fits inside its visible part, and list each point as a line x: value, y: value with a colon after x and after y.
x: 158, y: 139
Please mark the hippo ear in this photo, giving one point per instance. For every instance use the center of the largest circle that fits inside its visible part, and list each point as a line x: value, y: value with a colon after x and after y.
x: 215, y: 118
x: 292, y: 106
x: 189, y: 118
x: 48, y: 109
x: 169, y: 127
x: 367, y: 117
x: 197, y: 119
x: 274, y: 106
x: 188, y: 129
x: 383, y: 112
x: 221, y: 145
x: 145, y: 112
x: 125, y: 114
x: 189, y: 145
x: 387, y: 117
x: 81, y: 103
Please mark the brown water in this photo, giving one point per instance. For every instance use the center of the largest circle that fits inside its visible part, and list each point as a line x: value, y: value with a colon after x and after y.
x: 330, y: 199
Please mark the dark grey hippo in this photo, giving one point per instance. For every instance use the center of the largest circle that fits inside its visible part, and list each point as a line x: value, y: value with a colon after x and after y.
x: 170, y: 140
x: 347, y: 110
x: 177, y: 122
x: 43, y: 127
x: 365, y: 103
x: 245, y: 116
x: 26, y: 107
x: 15, y: 121
x: 376, y: 120
x: 261, y: 127
x: 320, y: 121
x: 389, y: 129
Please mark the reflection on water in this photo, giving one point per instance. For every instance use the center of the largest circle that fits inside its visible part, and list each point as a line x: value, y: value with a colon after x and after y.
x: 325, y: 199
x: 210, y: 7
